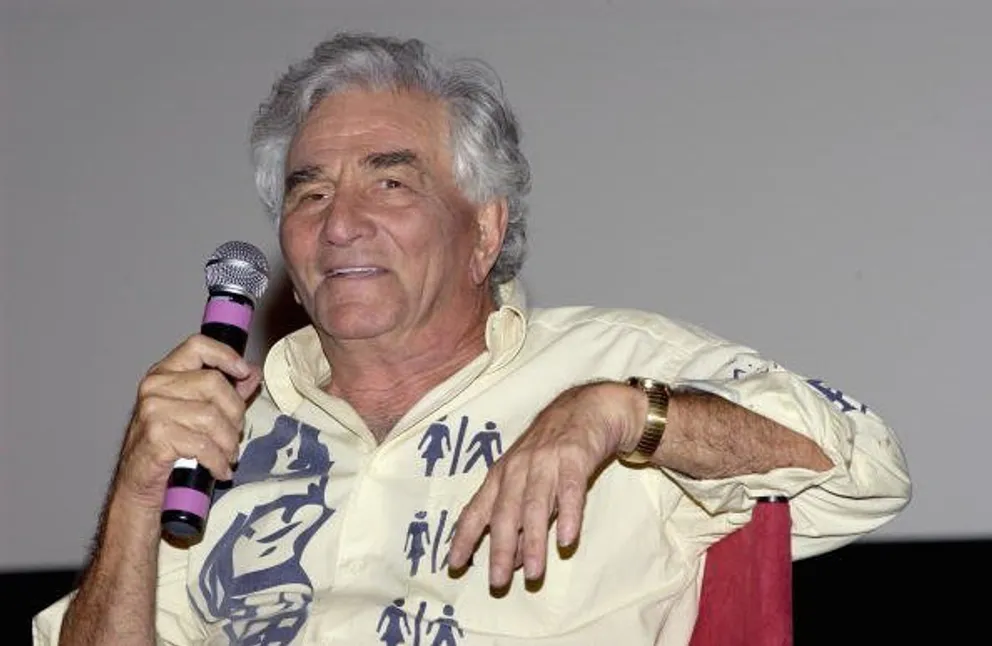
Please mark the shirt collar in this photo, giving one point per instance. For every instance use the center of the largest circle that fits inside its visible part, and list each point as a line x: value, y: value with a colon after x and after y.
x: 297, y: 361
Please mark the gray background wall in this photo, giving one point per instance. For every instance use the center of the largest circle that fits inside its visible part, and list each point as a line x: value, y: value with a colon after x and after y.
x: 809, y: 178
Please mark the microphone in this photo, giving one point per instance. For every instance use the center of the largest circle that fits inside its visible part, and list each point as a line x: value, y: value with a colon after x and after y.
x: 237, y: 274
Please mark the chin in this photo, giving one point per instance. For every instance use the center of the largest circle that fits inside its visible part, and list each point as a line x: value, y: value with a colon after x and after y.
x: 355, y: 323
x: 344, y: 313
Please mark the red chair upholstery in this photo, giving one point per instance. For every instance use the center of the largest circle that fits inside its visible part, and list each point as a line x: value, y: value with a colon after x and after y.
x: 746, y: 595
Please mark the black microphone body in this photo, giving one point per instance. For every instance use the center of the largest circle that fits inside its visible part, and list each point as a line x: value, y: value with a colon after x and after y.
x: 237, y: 274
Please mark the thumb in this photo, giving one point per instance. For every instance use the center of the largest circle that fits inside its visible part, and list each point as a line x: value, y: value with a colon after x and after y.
x: 247, y: 386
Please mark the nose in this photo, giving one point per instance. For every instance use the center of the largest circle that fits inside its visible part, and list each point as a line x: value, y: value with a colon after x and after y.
x: 346, y: 218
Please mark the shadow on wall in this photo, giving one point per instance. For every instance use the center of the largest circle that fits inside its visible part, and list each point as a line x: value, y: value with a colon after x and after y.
x: 280, y: 313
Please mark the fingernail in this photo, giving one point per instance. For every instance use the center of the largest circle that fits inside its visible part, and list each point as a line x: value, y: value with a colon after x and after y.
x: 242, y: 368
x: 531, y: 568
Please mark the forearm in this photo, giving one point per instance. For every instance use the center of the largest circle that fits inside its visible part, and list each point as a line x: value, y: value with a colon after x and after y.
x: 708, y: 437
x: 115, y: 603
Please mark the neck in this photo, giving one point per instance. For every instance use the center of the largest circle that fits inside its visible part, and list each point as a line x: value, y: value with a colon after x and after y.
x: 383, y: 380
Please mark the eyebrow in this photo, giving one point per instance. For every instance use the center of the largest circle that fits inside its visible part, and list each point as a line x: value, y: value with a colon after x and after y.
x: 392, y: 158
x: 378, y: 161
x: 301, y: 176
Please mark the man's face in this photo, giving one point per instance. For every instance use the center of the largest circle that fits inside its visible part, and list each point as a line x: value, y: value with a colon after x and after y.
x: 379, y: 242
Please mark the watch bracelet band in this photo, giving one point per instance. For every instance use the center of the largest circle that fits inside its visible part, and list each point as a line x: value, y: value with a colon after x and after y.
x: 658, y: 394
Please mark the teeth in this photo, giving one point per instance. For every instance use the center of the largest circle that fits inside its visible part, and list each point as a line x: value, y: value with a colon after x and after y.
x: 354, y: 271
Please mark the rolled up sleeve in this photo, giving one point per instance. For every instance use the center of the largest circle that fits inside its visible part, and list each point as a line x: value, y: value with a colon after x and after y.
x: 868, y: 485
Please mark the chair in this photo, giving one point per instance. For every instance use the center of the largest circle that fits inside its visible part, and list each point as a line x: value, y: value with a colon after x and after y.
x: 746, y: 594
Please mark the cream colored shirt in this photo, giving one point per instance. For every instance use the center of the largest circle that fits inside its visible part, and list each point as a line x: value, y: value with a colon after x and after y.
x: 327, y: 537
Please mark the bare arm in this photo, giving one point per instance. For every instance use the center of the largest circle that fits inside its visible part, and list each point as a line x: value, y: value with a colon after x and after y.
x: 185, y: 408
x: 708, y: 437
x: 116, y: 598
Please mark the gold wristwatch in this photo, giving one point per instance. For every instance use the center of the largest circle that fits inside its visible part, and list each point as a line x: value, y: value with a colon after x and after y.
x: 654, y: 426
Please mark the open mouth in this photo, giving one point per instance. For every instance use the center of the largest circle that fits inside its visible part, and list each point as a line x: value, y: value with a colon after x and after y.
x: 355, y: 272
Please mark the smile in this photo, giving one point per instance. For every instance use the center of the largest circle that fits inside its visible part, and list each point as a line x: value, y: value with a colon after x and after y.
x: 355, y: 272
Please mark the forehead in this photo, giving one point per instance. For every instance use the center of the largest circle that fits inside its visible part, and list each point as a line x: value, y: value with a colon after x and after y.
x: 354, y: 123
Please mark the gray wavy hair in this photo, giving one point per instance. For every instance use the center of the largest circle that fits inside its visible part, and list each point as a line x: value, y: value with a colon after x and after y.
x: 487, y: 159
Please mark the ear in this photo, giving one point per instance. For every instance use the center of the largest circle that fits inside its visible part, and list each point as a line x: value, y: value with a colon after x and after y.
x: 491, y: 219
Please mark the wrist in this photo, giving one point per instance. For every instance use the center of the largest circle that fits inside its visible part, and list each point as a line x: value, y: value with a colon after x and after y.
x: 630, y: 432
x: 652, y: 407
x: 133, y: 516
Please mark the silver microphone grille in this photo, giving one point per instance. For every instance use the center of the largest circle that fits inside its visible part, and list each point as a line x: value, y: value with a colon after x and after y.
x: 238, y: 267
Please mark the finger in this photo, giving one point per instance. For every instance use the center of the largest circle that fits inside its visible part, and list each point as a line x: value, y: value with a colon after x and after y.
x: 505, y: 523
x: 199, y: 351
x: 189, y: 443
x: 246, y: 387
x: 196, y: 386
x: 213, y: 387
x: 207, y: 419
x: 518, y: 560
x: 571, y: 495
x: 472, y: 521
x: 538, y: 499
x: 160, y: 415
x: 168, y: 439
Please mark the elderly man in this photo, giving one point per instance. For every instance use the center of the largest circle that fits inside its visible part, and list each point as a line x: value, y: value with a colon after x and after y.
x: 431, y: 462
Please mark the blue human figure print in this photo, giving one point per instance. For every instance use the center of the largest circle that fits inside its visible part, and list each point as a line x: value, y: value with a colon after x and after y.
x: 418, y: 538
x: 484, y: 441
x: 446, y: 627
x: 845, y: 403
x: 447, y: 543
x: 436, y: 437
x: 747, y: 365
x: 253, y: 576
x: 396, y: 621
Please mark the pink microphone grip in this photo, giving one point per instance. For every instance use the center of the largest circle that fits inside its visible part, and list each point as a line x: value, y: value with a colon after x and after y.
x: 221, y: 310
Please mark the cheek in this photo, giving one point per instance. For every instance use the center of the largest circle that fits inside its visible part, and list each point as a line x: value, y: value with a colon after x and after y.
x: 446, y: 235
x: 297, y: 253
x: 413, y: 235
x: 295, y: 240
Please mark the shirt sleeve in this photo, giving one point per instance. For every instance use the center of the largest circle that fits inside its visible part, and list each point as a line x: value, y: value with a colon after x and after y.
x: 175, y: 620
x: 868, y: 485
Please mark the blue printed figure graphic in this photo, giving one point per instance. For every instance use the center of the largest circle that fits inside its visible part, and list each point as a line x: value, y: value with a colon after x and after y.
x: 253, y: 575
x: 746, y: 366
x: 290, y: 450
x: 446, y: 627
x: 483, y: 443
x: 436, y: 437
x: 842, y: 401
x: 395, y: 619
x: 447, y: 543
x: 418, y: 537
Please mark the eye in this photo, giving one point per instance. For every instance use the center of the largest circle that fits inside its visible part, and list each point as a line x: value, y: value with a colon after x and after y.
x: 315, y: 197
x: 390, y: 183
